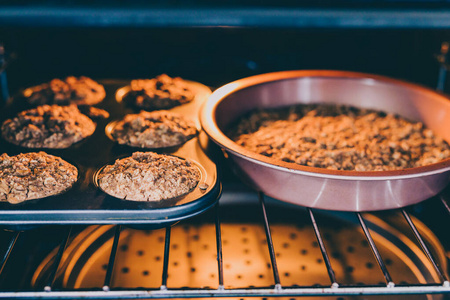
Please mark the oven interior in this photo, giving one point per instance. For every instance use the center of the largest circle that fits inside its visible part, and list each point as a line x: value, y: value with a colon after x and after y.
x: 248, y: 245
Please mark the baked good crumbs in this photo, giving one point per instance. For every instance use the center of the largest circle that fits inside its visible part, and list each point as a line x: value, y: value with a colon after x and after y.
x: 147, y: 176
x: 155, y: 129
x: 72, y: 90
x: 94, y: 112
x: 48, y: 127
x: 340, y: 138
x: 161, y: 92
x: 34, y: 175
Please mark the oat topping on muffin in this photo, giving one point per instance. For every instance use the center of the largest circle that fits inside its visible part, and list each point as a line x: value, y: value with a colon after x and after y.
x: 34, y: 175
x: 48, y: 127
x: 340, y: 138
x: 73, y: 90
x: 147, y: 176
x: 155, y: 129
x: 162, y: 92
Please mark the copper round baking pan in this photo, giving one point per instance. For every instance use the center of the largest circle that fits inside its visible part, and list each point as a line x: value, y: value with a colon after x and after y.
x: 323, y: 188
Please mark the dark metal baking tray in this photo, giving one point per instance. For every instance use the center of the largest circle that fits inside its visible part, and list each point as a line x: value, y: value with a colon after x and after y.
x: 85, y: 203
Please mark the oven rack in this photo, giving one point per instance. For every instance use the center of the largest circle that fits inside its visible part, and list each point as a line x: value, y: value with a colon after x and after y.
x: 275, y: 290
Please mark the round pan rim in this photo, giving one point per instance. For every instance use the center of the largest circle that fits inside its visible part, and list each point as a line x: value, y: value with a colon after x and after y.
x: 209, y: 124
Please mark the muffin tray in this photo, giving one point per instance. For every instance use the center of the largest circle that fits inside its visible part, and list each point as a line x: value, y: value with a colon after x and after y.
x: 85, y: 203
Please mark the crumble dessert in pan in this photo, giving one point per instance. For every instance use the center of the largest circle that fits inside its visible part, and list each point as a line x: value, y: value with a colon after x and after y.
x: 340, y: 138
x: 147, y: 176
x: 161, y: 92
x: 72, y: 90
x: 34, y: 175
x: 48, y: 127
x: 157, y: 129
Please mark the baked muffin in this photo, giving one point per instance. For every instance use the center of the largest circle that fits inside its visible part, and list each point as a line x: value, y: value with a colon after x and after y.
x: 162, y: 92
x: 48, y: 127
x: 157, y: 129
x: 147, y: 176
x: 34, y: 175
x: 72, y: 90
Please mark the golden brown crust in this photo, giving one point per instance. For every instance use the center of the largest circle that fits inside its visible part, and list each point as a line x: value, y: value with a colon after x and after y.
x: 72, y: 90
x: 161, y: 92
x: 156, y: 129
x: 34, y: 175
x: 48, y: 127
x: 340, y: 138
x: 147, y: 176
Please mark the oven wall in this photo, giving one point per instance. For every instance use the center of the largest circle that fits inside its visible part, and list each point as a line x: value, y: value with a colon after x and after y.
x: 215, y: 56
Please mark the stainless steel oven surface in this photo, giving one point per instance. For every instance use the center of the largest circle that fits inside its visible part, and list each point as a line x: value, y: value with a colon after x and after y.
x: 228, y: 239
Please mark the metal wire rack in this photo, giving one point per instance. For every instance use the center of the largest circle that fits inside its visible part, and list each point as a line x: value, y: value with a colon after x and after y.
x: 275, y: 290
x: 334, y: 288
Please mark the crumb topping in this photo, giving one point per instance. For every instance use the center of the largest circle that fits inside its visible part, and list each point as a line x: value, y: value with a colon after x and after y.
x: 156, y: 129
x: 340, y: 138
x: 34, y: 175
x: 72, y: 90
x: 161, y: 92
x: 48, y: 127
x: 147, y: 176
